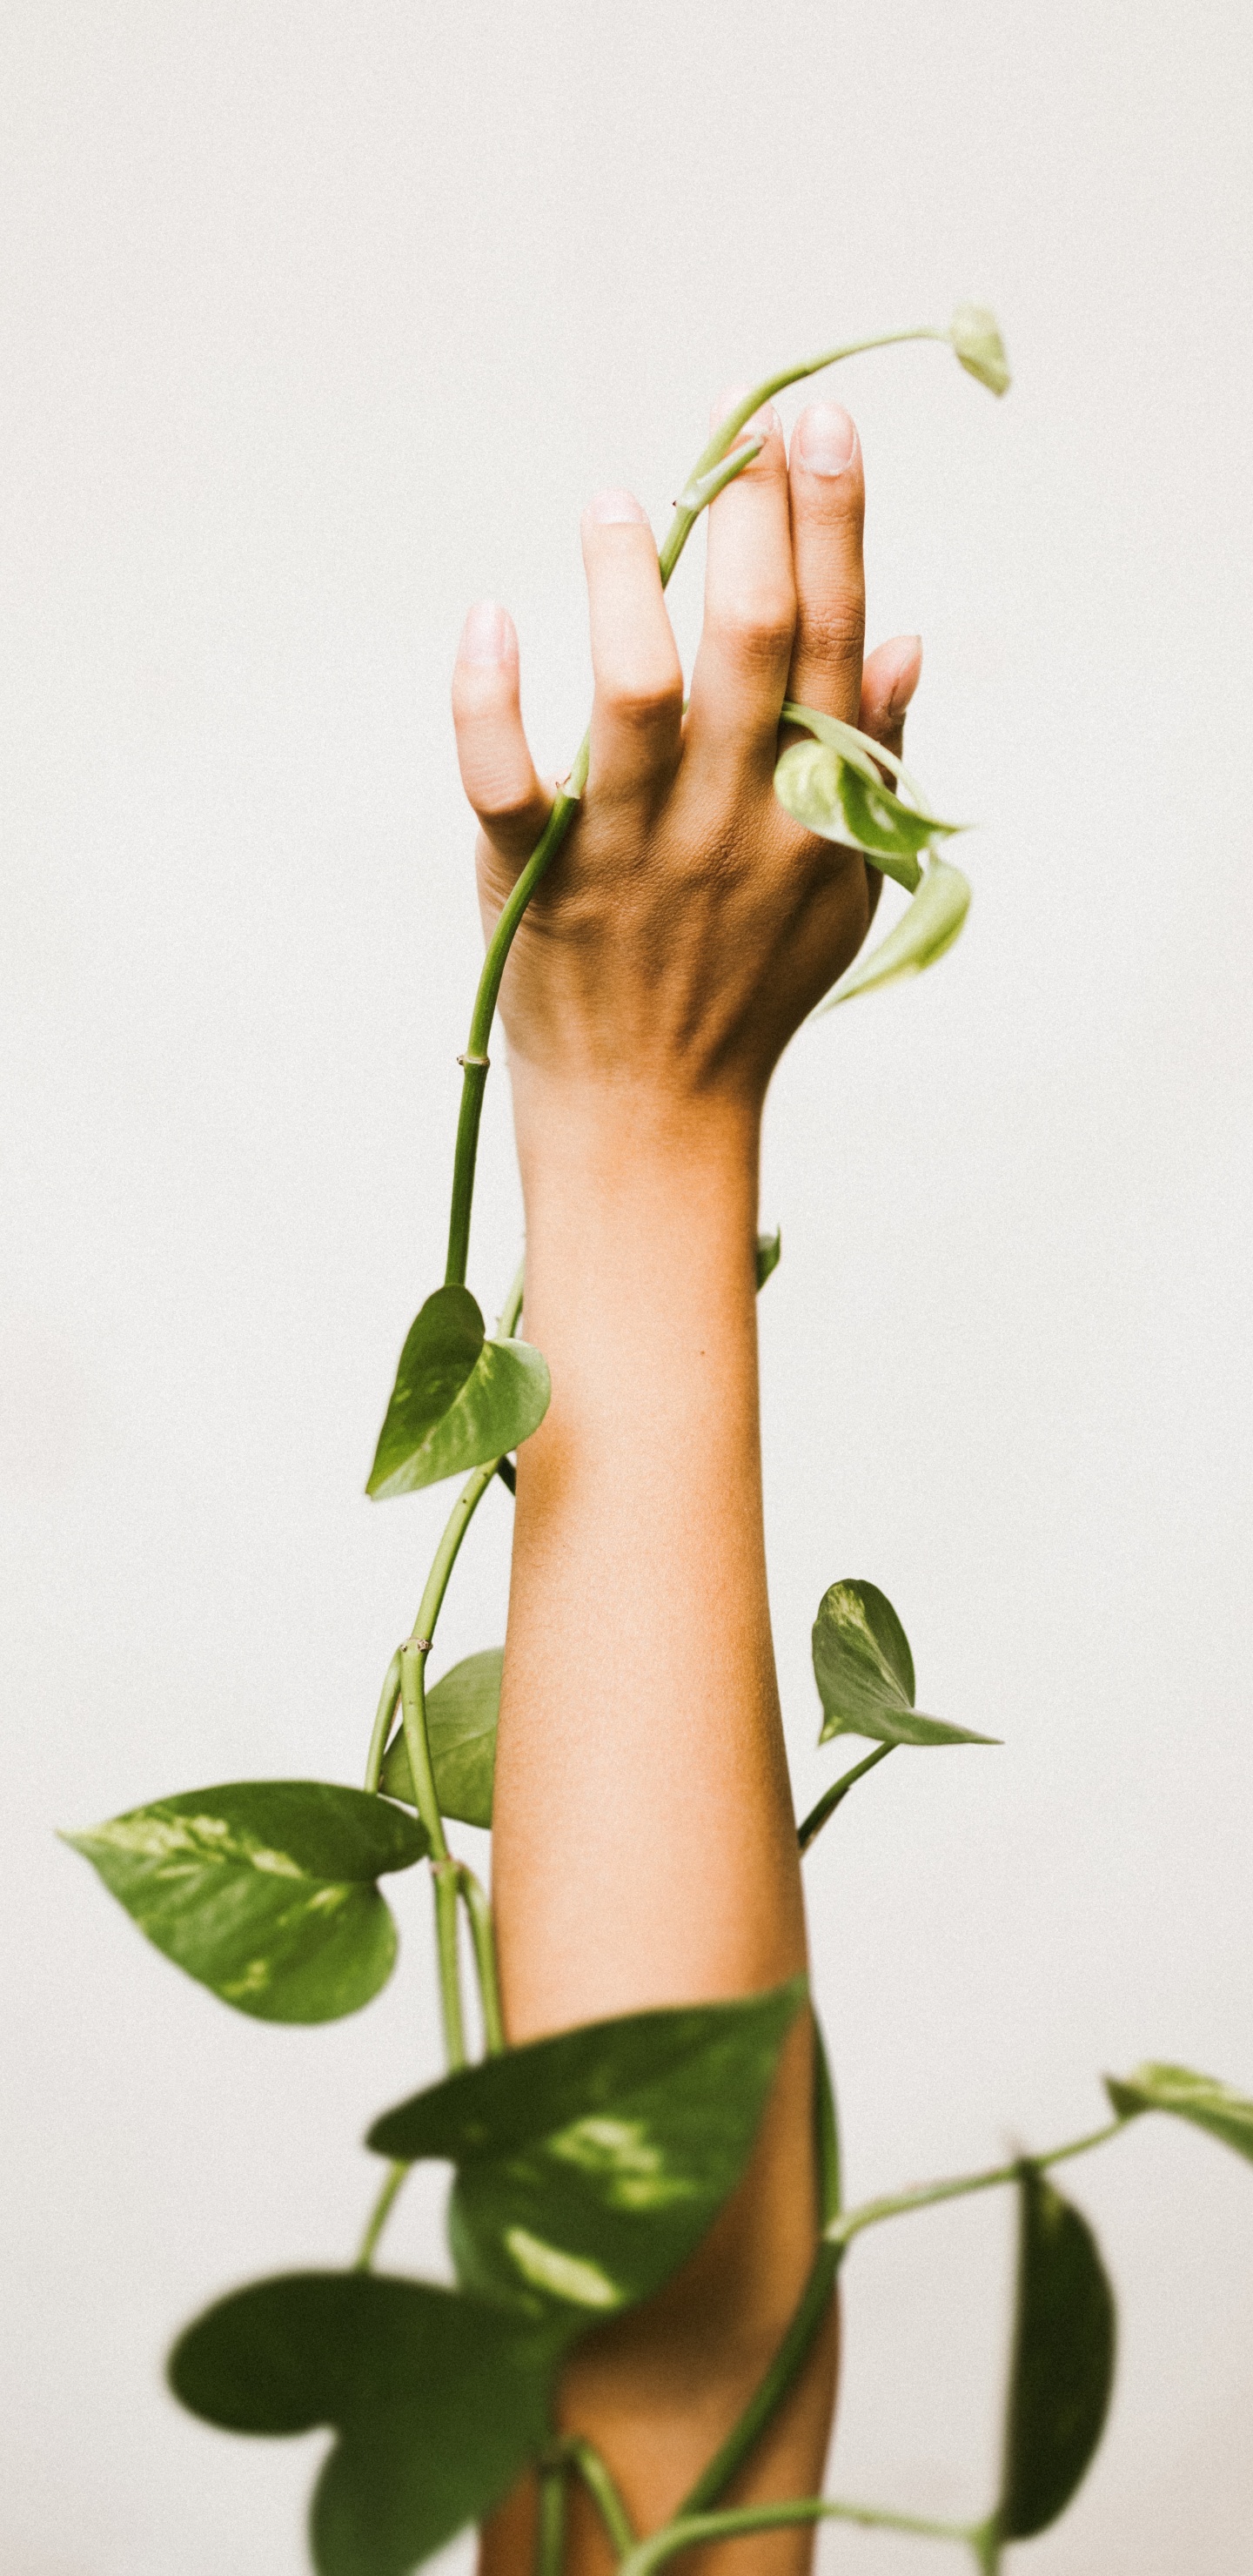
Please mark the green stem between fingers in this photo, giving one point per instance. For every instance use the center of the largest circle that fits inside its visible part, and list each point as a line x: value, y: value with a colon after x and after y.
x: 925, y: 2196
x: 689, y: 2530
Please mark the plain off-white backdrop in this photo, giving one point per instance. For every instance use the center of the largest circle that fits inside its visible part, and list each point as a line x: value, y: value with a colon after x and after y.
x: 318, y: 322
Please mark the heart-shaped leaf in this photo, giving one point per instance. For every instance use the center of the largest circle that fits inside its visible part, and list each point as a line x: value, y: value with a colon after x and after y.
x: 1062, y: 2366
x: 769, y: 1249
x: 922, y: 935
x: 461, y: 1715
x: 590, y: 2165
x: 264, y: 1890
x: 865, y: 1672
x: 458, y: 1399
x: 1202, y: 2099
x: 439, y: 2401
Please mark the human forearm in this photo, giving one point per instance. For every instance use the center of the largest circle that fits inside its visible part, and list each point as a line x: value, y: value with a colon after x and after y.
x: 645, y: 1848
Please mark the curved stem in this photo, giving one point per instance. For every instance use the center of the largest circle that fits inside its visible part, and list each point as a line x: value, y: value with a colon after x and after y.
x: 925, y: 2196
x: 396, y: 2174
x: 766, y: 2400
x: 475, y: 1059
x: 827, y: 1804
x: 383, y: 1724
x: 479, y: 1916
x: 413, y: 1655
x: 598, y: 2480
x: 691, y: 2529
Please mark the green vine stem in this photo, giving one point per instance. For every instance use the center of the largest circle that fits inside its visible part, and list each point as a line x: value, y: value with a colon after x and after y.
x: 769, y: 2396
x: 550, y: 2538
x: 713, y: 470
x: 482, y: 1934
x: 842, y: 2230
x: 807, y: 1832
x: 585, y: 2459
x: 431, y: 1603
x: 378, y: 2217
x: 688, y: 2531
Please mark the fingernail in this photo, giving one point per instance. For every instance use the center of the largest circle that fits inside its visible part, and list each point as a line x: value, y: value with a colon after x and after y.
x: 904, y: 686
x: 827, y: 438
x: 610, y: 509
x: 487, y: 634
x: 764, y: 423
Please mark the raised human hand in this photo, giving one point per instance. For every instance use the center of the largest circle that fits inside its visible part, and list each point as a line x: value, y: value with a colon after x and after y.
x: 687, y: 925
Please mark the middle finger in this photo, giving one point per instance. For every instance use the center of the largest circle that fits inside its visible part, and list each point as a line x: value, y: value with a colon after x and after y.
x: 740, y: 674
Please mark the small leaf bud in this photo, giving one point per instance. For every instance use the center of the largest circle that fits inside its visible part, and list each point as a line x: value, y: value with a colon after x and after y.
x: 979, y: 346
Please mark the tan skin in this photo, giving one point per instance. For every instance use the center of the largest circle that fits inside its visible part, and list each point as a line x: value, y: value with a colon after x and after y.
x: 644, y: 1840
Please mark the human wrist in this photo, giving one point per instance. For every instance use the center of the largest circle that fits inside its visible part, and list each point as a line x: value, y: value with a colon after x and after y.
x: 619, y: 1137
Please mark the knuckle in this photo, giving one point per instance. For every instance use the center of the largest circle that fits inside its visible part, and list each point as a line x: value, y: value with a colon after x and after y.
x: 757, y: 626
x: 834, y: 632
x: 643, y: 699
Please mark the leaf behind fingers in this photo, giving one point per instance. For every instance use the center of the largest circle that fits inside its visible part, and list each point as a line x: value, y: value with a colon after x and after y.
x: 924, y: 934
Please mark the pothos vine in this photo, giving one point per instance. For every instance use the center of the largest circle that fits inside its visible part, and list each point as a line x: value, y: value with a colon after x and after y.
x: 587, y: 2166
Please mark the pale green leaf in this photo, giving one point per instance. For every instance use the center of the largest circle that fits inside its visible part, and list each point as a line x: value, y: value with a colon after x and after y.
x: 822, y: 793
x: 1202, y: 2099
x: 865, y: 1672
x: 923, y: 935
x: 439, y: 2401
x: 769, y: 1249
x: 590, y: 2165
x: 975, y: 334
x: 264, y: 1890
x: 461, y: 1715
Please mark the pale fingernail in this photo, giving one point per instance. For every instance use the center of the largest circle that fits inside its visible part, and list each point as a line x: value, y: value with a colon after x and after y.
x: 764, y: 423
x: 487, y: 634
x: 610, y: 509
x: 906, y: 681
x: 826, y: 438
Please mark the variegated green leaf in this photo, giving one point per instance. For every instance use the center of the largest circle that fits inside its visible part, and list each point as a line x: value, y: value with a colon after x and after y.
x: 590, y: 2165
x: 865, y: 1672
x: 923, y: 935
x: 264, y: 1890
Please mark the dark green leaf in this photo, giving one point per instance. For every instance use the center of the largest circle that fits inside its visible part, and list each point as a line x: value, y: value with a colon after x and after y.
x: 1062, y: 2366
x: 827, y: 2133
x: 590, y: 2165
x: 439, y: 2401
x: 923, y: 935
x: 865, y: 1672
x: 769, y: 1248
x: 264, y: 1890
x: 461, y: 1715
x: 1202, y: 2099
x: 458, y: 1400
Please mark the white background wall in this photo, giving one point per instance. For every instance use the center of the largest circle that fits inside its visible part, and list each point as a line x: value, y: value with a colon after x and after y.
x: 318, y: 322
